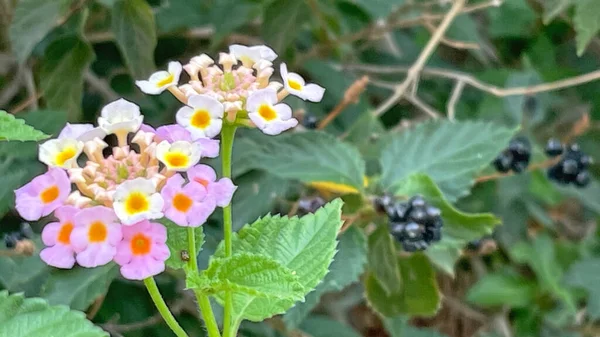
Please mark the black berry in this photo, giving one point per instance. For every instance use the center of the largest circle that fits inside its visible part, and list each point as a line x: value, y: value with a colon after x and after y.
x: 309, y: 205
x: 415, y: 224
x: 582, y: 179
x: 516, y: 157
x: 503, y: 162
x: 554, y: 147
x: 382, y: 203
x: 572, y: 167
x: 310, y: 121
x: 11, y: 239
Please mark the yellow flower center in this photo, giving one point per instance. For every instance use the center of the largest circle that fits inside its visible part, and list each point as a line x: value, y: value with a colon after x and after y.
x: 294, y: 84
x: 177, y: 159
x: 267, y: 112
x: 136, y: 203
x: 64, y: 155
x: 200, y: 119
x: 97, y: 232
x: 140, y: 244
x: 182, y: 202
x: 165, y: 81
x: 50, y: 194
x: 64, y: 235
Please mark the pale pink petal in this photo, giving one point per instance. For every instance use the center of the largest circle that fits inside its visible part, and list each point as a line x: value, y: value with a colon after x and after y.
x: 147, y: 128
x: 173, y: 133
x: 29, y: 207
x: 195, y: 190
x: 124, y: 254
x: 222, y: 191
x: 114, y: 233
x: 142, y: 267
x: 96, y: 255
x: 157, y: 232
x: 50, y: 233
x: 200, y: 212
x: 160, y: 252
x: 73, y: 131
x: 176, y: 216
x: 210, y: 147
x: 59, y: 256
x: 66, y: 213
x: 202, y: 173
x: 79, y: 238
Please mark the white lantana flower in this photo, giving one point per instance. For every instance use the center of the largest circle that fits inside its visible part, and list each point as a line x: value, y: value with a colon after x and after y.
x: 296, y: 86
x: 120, y: 116
x: 60, y: 152
x: 271, y: 118
x: 82, y: 132
x: 161, y: 80
x: 136, y: 200
x: 202, y: 117
x: 178, y: 156
x: 251, y: 55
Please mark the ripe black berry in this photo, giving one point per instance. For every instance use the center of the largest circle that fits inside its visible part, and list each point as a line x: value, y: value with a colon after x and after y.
x: 310, y: 122
x: 381, y: 203
x: 582, y: 179
x: 309, y: 205
x: 25, y: 231
x: 554, y: 147
x: 11, y: 239
x: 516, y: 157
x: 572, y: 167
x: 414, y: 223
x: 503, y: 162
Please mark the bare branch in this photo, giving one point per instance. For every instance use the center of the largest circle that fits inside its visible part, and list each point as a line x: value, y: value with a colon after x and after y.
x: 351, y: 96
x: 429, y: 110
x: 456, y: 92
x: 449, y: 42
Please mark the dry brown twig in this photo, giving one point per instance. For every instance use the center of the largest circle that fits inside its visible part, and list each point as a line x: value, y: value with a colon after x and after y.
x: 351, y: 96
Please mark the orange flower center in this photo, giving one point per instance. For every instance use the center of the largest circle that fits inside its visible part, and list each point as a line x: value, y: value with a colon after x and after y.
x: 136, y: 203
x: 267, y: 112
x: 177, y: 159
x: 182, y: 202
x: 64, y: 235
x: 140, y: 244
x: 97, y: 232
x: 64, y: 155
x: 200, y: 119
x: 50, y: 194
x: 294, y: 84
x: 165, y: 81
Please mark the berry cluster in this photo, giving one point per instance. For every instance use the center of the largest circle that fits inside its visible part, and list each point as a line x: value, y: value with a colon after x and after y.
x: 414, y: 223
x: 516, y: 157
x: 572, y: 167
x: 24, y: 233
x: 309, y: 205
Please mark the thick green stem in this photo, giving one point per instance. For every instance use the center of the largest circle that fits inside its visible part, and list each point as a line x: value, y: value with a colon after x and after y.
x: 160, y: 304
x: 227, y: 135
x: 203, y: 301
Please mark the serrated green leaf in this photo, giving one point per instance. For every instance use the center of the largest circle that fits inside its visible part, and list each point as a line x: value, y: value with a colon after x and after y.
x: 450, y: 153
x: 135, y: 32
x: 79, y: 287
x: 282, y: 22
x: 383, y: 263
x: 586, y: 274
x: 249, y: 275
x: 304, y: 245
x: 504, y: 288
x: 418, y: 296
x: 587, y: 23
x: 459, y: 227
x: 32, y: 20
x: 520, y: 15
x: 553, y: 8
x: 177, y: 241
x: 311, y: 157
x: 61, y: 74
x: 12, y: 128
x: 348, y: 264
x: 33, y: 317
x: 321, y: 326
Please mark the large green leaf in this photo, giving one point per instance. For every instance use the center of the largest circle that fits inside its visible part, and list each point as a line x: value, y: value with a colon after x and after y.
x: 135, y: 31
x: 282, y: 22
x: 382, y: 260
x: 553, y: 8
x: 33, y: 317
x: 61, y: 75
x: 459, y: 227
x: 179, y: 14
x: 304, y: 245
x: 177, y: 241
x: 520, y: 15
x: 504, y: 288
x: 419, y: 294
x: 347, y: 265
x: 311, y: 157
x: 79, y: 287
x: 12, y: 128
x: 229, y: 15
x: 450, y: 153
x: 586, y: 274
x: 32, y: 20
x: 249, y: 275
x: 321, y: 326
x: 587, y: 23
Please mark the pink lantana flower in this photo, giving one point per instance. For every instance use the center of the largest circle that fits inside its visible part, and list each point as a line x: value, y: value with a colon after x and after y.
x: 221, y: 191
x: 95, y: 236
x: 143, y: 251
x: 57, y: 237
x: 188, y: 205
x: 175, y: 132
x: 43, y: 194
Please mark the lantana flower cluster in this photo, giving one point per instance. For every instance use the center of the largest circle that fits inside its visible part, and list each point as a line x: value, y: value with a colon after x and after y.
x: 109, y: 203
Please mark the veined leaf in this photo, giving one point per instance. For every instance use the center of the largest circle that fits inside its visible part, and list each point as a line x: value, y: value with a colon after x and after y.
x: 135, y: 32
x: 585, y: 274
x: 304, y: 245
x: 311, y: 157
x: 383, y: 263
x: 12, y: 128
x: 282, y: 22
x: 177, y: 241
x: 450, y: 153
x: 587, y: 23
x: 33, y: 317
x: 502, y: 289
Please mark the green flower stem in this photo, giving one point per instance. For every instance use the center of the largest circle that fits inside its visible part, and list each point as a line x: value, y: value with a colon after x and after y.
x: 160, y: 304
x: 227, y: 135
x: 205, y: 309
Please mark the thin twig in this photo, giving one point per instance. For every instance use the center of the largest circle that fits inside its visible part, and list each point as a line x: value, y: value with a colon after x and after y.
x: 429, y: 110
x: 101, y: 86
x: 416, y: 68
x: 30, y: 101
x: 449, y: 42
x: 541, y: 165
x: 456, y: 92
x: 351, y: 96
x: 93, y: 310
x: 30, y: 86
